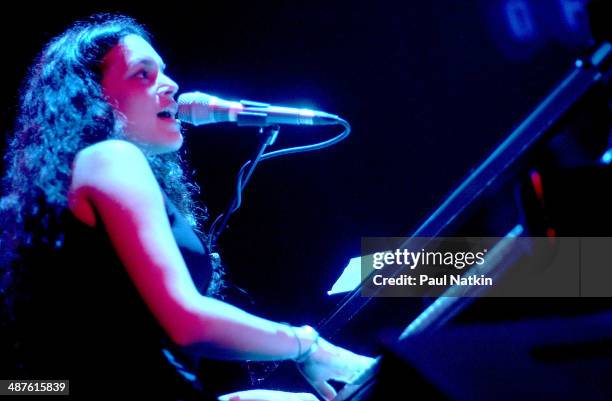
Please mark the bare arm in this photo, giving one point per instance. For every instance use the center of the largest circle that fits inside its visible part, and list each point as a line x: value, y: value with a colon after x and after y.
x: 114, y: 177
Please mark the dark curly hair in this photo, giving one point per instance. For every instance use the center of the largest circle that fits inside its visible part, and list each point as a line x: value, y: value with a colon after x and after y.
x: 63, y: 110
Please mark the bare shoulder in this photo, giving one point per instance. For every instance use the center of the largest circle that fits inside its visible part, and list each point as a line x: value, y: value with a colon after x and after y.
x: 114, y: 169
x: 108, y: 156
x: 112, y: 182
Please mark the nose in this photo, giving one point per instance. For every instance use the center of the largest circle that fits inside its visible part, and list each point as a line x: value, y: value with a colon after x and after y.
x: 167, y: 86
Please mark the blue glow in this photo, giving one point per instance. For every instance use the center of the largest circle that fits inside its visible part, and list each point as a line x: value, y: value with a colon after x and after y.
x: 607, y: 157
x: 601, y: 53
x: 529, y: 24
x: 520, y: 19
x: 516, y: 231
x: 574, y: 13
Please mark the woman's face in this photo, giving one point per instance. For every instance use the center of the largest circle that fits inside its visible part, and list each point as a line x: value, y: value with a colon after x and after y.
x: 134, y: 83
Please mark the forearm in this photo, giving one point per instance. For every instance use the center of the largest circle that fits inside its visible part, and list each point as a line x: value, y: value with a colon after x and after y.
x: 215, y: 329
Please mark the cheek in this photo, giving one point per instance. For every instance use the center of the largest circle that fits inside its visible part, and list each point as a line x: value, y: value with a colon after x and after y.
x: 136, y: 107
x: 123, y: 98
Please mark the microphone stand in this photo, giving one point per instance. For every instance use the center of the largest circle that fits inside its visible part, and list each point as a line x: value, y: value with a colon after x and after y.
x: 268, y: 135
x: 254, y: 117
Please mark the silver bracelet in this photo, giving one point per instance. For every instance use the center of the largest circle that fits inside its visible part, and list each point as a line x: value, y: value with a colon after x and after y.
x: 299, y: 343
x: 302, y: 357
x: 314, y: 345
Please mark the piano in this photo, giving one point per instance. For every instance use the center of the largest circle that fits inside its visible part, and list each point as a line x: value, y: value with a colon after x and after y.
x: 466, y: 348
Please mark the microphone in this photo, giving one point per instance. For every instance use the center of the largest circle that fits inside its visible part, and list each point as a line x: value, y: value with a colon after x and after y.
x: 199, y: 108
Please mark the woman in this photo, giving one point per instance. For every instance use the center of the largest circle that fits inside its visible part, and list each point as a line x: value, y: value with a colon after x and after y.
x: 102, y: 270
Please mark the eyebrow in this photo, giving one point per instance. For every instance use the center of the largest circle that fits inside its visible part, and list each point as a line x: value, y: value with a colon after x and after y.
x: 150, y: 62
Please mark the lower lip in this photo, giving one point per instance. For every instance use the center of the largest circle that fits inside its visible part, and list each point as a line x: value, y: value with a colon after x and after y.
x: 169, y: 119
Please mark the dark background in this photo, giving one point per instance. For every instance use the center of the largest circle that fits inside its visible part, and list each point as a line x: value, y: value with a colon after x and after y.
x: 429, y: 88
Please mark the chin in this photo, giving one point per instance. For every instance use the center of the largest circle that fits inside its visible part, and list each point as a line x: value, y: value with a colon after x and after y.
x: 174, y: 145
x: 169, y: 141
x: 179, y: 141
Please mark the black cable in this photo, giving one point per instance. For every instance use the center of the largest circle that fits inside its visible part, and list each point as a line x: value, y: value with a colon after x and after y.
x: 241, y: 181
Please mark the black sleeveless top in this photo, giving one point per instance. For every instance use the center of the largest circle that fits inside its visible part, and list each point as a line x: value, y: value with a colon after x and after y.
x: 85, y: 320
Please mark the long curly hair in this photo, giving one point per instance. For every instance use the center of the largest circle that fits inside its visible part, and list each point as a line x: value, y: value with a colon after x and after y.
x: 63, y: 110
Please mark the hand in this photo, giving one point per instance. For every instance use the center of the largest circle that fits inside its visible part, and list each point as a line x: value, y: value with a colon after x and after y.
x: 267, y: 395
x: 329, y: 362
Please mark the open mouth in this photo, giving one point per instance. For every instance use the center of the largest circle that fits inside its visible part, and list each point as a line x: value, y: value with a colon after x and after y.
x: 166, y: 115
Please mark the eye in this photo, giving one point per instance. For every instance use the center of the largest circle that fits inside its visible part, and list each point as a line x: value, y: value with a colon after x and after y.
x: 144, y: 74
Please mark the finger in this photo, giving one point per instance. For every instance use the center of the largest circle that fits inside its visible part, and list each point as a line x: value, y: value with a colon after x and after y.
x: 307, y: 397
x: 344, y: 374
x: 229, y: 397
x: 352, y: 369
x: 325, y: 390
x: 367, y: 361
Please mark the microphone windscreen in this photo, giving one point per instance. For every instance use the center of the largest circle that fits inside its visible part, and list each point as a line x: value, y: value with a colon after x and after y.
x: 194, y: 108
